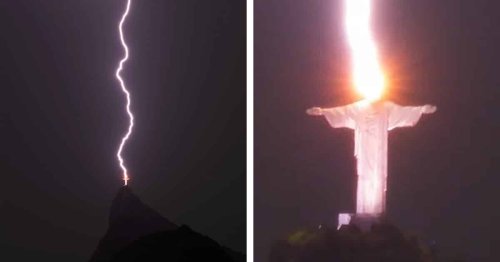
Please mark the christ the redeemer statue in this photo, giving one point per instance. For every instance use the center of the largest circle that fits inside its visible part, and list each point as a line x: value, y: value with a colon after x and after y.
x: 371, y: 121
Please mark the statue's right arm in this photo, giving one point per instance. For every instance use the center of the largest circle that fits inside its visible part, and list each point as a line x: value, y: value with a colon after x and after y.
x: 336, y: 116
x: 315, y: 111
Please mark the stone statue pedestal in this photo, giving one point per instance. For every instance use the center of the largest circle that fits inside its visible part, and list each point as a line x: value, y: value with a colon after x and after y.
x: 363, y: 221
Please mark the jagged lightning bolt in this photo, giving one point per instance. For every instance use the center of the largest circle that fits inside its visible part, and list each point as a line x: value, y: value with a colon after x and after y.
x: 127, y: 94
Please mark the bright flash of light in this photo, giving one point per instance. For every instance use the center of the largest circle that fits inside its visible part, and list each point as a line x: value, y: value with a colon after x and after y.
x: 368, y: 77
x: 127, y: 94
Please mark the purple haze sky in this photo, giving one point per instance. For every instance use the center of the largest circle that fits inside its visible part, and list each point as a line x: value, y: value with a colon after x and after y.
x: 64, y: 116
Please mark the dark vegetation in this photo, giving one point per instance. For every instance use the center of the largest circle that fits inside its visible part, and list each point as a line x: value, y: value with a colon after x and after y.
x: 384, y: 242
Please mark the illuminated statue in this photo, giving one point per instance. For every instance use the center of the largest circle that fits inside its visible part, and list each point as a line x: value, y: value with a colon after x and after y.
x: 371, y: 121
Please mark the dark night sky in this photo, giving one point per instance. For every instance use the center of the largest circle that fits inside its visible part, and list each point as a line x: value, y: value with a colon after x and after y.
x: 443, y: 173
x: 63, y: 117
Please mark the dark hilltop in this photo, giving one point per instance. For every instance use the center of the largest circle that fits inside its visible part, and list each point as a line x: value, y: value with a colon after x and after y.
x: 137, y: 232
x: 383, y: 242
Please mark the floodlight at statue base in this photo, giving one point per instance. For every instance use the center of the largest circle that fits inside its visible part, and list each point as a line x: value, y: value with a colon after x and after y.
x: 363, y: 221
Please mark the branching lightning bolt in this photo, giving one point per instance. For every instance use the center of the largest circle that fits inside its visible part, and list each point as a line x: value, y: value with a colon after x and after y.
x: 127, y: 94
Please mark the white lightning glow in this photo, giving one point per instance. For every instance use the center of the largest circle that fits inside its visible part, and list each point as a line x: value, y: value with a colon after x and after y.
x: 127, y: 94
x: 367, y: 74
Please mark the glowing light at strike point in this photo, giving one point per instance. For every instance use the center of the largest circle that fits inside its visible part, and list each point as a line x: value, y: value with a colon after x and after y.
x: 368, y: 77
x: 127, y: 94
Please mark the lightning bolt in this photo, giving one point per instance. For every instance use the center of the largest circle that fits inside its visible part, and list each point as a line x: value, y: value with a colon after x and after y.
x: 127, y: 94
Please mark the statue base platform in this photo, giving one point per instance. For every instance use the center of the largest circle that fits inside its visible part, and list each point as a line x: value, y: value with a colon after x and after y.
x: 363, y: 221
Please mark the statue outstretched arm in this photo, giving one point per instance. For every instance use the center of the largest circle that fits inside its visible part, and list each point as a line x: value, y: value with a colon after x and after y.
x: 336, y: 116
x: 315, y: 111
x: 429, y: 109
x: 405, y: 116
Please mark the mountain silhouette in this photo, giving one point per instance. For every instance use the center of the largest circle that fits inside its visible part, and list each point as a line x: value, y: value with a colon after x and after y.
x: 137, y: 232
x: 182, y: 244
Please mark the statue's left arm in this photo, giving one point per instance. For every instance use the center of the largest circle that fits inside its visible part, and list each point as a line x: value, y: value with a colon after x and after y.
x: 404, y: 116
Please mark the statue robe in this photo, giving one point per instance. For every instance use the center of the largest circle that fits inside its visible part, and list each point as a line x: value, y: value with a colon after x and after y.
x: 371, y: 123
